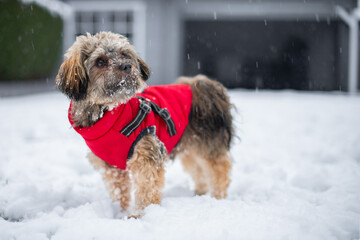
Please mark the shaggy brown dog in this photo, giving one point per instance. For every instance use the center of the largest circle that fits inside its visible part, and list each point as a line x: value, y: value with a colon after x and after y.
x: 93, y: 78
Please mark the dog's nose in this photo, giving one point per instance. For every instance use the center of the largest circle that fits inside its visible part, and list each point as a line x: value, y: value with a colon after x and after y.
x: 125, y: 67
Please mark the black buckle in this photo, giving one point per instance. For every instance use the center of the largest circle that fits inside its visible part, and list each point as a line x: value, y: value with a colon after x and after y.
x: 164, y: 114
x: 145, y: 107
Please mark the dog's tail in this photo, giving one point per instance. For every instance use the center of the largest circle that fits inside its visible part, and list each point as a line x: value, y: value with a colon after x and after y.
x: 211, y: 112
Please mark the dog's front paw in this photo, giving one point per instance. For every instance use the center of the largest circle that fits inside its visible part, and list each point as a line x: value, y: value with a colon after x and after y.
x: 135, y: 214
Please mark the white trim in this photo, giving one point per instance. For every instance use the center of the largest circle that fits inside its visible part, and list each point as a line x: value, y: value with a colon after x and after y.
x: 344, y: 15
x: 68, y: 31
x: 353, y: 57
x: 352, y: 20
x: 139, y: 24
x: 106, y: 5
x: 356, y: 13
x: 280, y: 10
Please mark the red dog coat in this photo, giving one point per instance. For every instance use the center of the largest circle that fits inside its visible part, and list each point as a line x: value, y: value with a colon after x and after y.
x: 114, y: 136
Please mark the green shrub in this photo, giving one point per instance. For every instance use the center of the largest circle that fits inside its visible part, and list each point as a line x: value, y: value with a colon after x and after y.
x: 30, y: 41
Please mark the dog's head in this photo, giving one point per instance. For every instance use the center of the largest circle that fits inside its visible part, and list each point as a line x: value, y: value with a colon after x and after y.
x: 102, y: 68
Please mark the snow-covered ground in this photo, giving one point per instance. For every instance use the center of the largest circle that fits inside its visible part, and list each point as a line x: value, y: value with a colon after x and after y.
x: 296, y: 175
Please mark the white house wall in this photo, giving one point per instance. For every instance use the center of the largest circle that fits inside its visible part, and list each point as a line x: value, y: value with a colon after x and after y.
x: 163, y: 41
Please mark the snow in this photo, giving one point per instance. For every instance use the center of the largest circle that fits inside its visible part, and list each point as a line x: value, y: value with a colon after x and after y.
x: 296, y: 175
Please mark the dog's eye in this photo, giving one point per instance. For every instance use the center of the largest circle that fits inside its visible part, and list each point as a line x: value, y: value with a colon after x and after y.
x: 100, y: 62
x: 124, y: 55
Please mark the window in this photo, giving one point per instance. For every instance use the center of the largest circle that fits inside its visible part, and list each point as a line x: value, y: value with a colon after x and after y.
x: 114, y: 21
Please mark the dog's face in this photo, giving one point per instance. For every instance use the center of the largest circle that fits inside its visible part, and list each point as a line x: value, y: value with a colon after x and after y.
x: 103, y: 69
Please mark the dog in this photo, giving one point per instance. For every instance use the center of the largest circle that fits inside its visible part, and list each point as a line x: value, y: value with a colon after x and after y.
x: 110, y: 101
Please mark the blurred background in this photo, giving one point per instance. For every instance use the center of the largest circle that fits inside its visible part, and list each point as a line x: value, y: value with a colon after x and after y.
x: 253, y: 44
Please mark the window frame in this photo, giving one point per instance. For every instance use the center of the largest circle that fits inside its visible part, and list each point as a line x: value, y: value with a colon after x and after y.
x: 138, y: 9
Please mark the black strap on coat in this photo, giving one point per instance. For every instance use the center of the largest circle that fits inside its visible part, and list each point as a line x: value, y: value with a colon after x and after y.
x: 144, y: 109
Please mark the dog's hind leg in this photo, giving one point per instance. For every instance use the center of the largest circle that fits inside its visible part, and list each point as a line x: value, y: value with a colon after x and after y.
x: 219, y: 171
x: 147, y: 169
x: 192, y: 164
x: 117, y: 181
x: 209, y: 170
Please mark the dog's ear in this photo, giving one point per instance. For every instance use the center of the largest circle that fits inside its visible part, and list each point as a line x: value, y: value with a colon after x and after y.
x: 72, y: 78
x: 144, y: 69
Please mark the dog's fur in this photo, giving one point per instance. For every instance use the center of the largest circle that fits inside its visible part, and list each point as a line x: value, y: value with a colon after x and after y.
x: 103, y: 71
